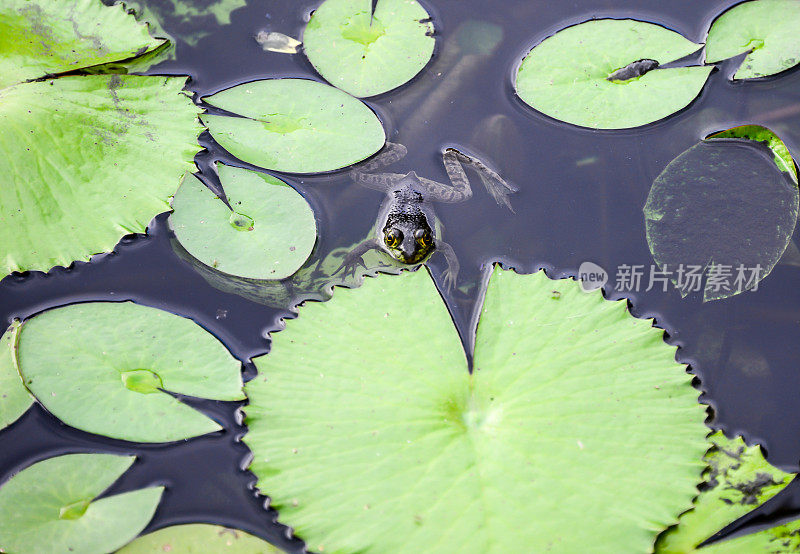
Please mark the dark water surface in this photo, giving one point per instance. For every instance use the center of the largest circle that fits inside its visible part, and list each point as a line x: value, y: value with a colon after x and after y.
x: 581, y: 198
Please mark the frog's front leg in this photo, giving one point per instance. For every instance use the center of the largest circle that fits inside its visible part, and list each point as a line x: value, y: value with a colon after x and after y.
x: 494, y: 184
x: 450, y: 274
x: 354, y: 258
x: 362, y: 175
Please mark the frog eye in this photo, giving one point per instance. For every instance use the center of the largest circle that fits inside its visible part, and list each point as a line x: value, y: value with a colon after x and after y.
x: 423, y: 237
x: 392, y: 237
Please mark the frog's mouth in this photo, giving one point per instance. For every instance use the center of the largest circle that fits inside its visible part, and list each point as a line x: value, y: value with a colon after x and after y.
x: 413, y: 257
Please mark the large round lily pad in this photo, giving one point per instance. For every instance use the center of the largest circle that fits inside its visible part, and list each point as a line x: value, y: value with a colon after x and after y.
x: 765, y: 29
x: 103, y: 367
x: 566, y: 76
x: 364, y: 53
x: 576, y: 428
x: 43, y: 37
x: 723, y: 210
x: 268, y: 234
x: 199, y: 539
x: 294, y: 125
x: 50, y: 506
x: 88, y: 159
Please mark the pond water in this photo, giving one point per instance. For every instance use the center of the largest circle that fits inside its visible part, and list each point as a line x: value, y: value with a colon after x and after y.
x: 581, y: 197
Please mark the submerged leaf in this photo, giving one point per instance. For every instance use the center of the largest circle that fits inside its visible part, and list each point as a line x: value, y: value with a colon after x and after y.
x: 88, y: 160
x: 766, y: 29
x: 367, y: 54
x: 738, y: 480
x: 723, y: 210
x: 269, y: 233
x: 568, y: 75
x: 43, y: 37
x: 370, y: 435
x: 51, y: 507
x: 199, y: 539
x: 100, y: 366
x: 14, y: 397
x: 783, y: 158
x: 294, y: 125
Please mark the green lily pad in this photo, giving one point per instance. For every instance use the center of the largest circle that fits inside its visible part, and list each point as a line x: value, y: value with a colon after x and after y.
x: 737, y: 481
x: 783, y: 158
x: 14, y: 397
x: 566, y: 76
x: 101, y: 367
x: 366, y: 54
x: 722, y: 210
x: 268, y: 234
x: 89, y: 159
x: 767, y: 29
x: 294, y: 125
x: 199, y: 539
x: 378, y: 439
x: 51, y: 507
x: 42, y: 37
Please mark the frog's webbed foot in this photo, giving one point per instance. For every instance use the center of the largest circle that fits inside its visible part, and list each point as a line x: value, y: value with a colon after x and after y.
x: 354, y: 258
x: 450, y: 274
x: 495, y: 185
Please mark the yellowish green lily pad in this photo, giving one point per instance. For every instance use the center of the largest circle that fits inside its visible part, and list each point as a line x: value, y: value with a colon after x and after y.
x: 570, y: 75
x: 364, y: 53
x: 45, y: 37
x: 51, y: 506
x: 369, y: 433
x: 89, y: 159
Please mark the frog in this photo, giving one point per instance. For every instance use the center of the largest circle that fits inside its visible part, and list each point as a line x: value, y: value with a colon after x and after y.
x: 407, y: 228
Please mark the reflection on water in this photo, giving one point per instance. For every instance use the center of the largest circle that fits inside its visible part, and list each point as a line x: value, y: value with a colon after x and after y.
x: 581, y: 198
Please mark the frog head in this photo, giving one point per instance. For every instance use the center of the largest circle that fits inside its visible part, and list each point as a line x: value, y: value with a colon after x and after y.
x: 407, y: 235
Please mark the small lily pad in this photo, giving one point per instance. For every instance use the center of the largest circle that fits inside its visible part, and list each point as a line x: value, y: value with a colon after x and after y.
x: 89, y: 159
x: 51, y: 506
x: 783, y: 158
x: 14, y: 397
x: 294, y: 125
x: 378, y: 438
x: 101, y: 367
x: 722, y: 209
x: 199, y: 539
x: 268, y: 234
x: 592, y: 74
x: 42, y: 37
x: 367, y: 54
x: 766, y: 29
x: 737, y: 481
